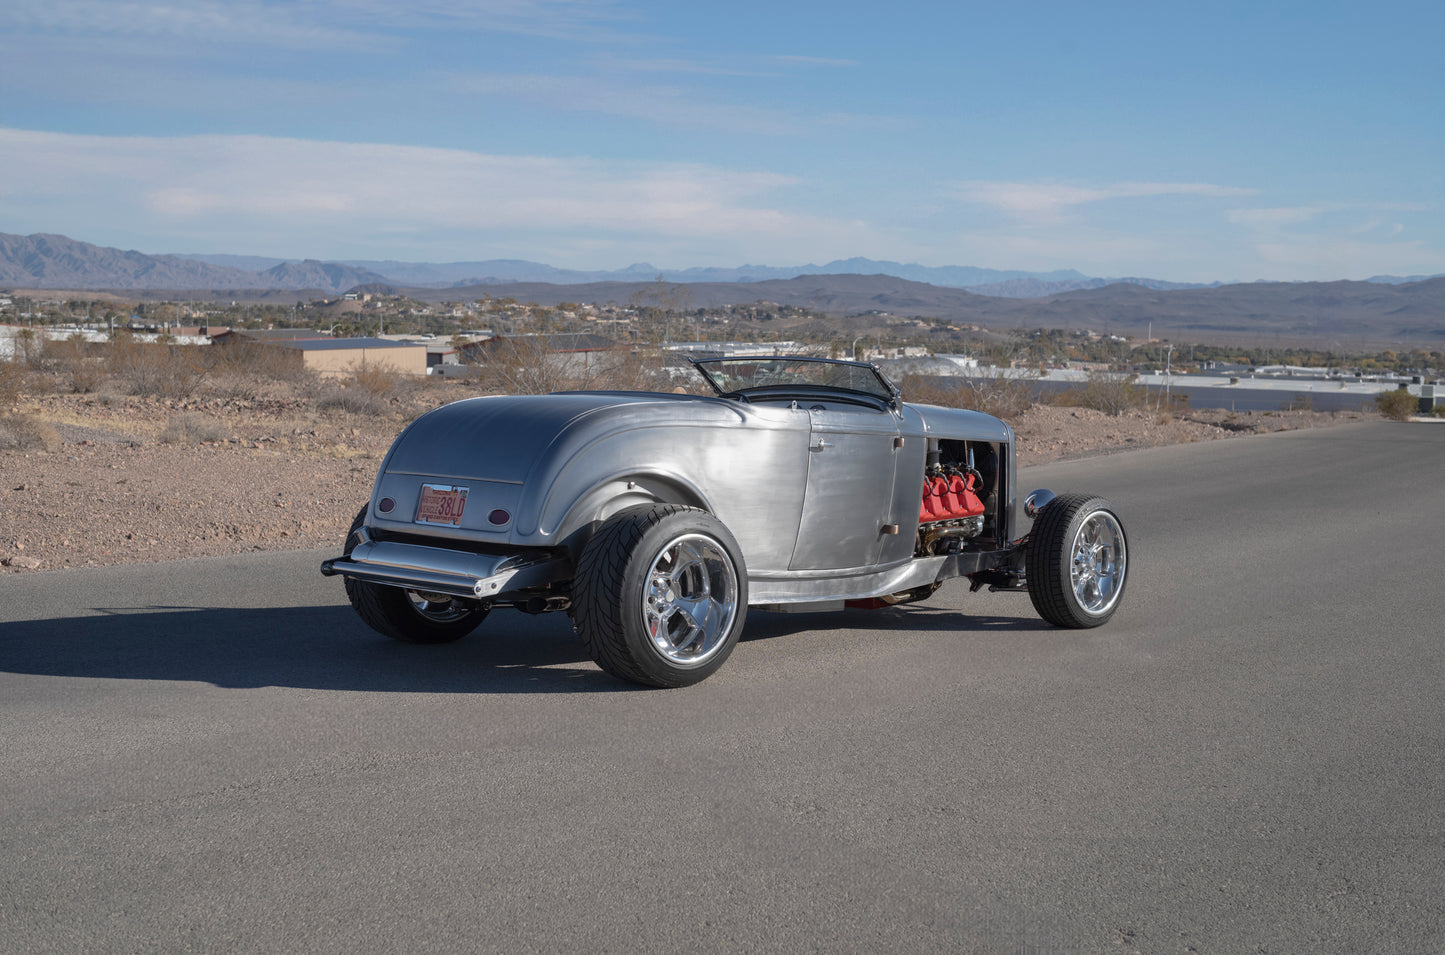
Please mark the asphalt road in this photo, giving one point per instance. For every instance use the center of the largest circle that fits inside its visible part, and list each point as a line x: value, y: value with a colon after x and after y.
x: 216, y: 755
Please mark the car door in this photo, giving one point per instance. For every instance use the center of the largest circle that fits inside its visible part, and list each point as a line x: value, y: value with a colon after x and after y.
x: 852, y: 454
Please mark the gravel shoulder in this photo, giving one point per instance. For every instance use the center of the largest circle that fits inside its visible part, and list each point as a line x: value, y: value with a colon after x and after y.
x: 128, y: 480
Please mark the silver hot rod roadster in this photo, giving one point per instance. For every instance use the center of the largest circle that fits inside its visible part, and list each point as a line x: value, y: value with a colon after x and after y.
x: 657, y: 520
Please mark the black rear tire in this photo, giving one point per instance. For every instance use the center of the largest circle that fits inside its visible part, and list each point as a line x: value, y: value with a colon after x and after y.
x: 660, y: 595
x: 411, y: 616
x: 1077, y: 562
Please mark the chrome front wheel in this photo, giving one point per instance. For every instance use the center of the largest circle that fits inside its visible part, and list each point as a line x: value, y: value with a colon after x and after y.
x: 1099, y: 562
x: 1077, y: 561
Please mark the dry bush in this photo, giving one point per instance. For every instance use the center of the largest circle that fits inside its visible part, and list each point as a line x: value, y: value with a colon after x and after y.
x: 1106, y: 391
x: 29, y: 349
x: 12, y: 380
x: 251, y: 361
x: 1001, y: 397
x: 27, y: 433
x: 1397, y: 405
x: 154, y: 370
x: 524, y: 366
x: 192, y: 429
x: 248, y: 371
x: 1302, y: 401
x: 624, y: 371
x: 379, y: 380
x: 74, y: 363
x: 336, y: 396
x: 369, y: 390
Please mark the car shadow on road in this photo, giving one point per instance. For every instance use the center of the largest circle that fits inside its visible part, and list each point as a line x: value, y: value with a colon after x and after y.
x: 328, y: 648
x: 305, y: 647
x: 763, y: 625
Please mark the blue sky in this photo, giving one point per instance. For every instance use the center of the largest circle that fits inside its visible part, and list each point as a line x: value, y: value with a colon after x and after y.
x: 1190, y: 142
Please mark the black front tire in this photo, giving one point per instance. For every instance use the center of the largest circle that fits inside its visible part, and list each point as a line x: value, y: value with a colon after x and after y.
x: 1077, y: 561
x: 411, y: 616
x: 660, y: 595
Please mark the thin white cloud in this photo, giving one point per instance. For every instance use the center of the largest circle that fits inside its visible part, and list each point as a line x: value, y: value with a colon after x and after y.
x: 1376, y: 215
x: 673, y: 65
x: 1335, y: 239
x: 230, y: 22
x: 1046, y: 201
x: 323, y: 194
x: 1331, y: 257
x: 811, y: 61
x: 572, y: 19
x: 310, y: 23
x: 659, y: 104
x: 712, y: 65
x: 1265, y: 219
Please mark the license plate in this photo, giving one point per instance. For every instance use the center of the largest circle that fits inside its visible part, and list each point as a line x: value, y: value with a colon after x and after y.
x: 441, y: 504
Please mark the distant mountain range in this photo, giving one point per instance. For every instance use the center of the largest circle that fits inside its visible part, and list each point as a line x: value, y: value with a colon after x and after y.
x: 856, y: 294
x: 1323, y: 314
x: 59, y: 262
x: 1006, y: 283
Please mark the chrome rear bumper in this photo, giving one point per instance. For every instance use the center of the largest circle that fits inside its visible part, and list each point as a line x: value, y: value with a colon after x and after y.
x: 442, y: 570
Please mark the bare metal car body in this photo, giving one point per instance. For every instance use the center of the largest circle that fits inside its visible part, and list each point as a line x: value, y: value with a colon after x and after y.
x: 813, y: 469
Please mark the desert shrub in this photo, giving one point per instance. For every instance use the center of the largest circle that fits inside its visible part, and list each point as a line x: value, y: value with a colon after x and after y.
x: 1109, y: 392
x: 367, y: 390
x: 1001, y: 397
x: 191, y: 429
x: 160, y: 371
x: 524, y: 366
x: 1300, y: 402
x: 1397, y: 405
x: 1439, y: 411
x: 73, y: 363
x: 12, y: 380
x: 252, y: 361
x: 29, y: 349
x: 379, y: 380
x: 346, y: 396
x: 27, y: 433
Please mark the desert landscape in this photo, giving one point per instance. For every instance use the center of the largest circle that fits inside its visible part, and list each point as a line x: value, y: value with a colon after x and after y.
x: 101, y: 478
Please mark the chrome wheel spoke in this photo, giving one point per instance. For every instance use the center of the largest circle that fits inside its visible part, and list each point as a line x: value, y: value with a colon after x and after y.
x: 1097, y: 563
x: 690, y: 599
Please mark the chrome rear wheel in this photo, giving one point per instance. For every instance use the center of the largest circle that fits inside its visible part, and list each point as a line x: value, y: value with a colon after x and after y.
x: 690, y: 600
x: 660, y: 595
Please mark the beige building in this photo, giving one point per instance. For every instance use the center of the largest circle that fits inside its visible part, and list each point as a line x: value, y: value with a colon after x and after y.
x: 343, y: 356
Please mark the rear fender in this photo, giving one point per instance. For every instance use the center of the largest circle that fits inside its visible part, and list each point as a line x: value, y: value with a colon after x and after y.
x: 609, y: 497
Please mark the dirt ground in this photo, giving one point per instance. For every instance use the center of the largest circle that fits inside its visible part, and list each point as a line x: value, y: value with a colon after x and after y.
x: 87, y: 480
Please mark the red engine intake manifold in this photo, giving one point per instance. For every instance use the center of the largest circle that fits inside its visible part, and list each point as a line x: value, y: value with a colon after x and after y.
x: 949, y: 496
